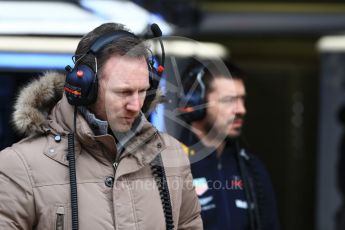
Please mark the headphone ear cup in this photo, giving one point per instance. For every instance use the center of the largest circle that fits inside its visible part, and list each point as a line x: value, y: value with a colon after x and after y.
x: 81, y: 86
x: 193, y: 103
x: 193, y: 106
x: 151, y: 92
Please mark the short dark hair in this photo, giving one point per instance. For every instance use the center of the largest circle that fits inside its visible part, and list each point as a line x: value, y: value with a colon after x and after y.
x: 128, y: 45
x: 235, y: 71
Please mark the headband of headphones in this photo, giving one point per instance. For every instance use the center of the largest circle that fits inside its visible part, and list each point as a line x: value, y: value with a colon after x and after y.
x: 106, y: 39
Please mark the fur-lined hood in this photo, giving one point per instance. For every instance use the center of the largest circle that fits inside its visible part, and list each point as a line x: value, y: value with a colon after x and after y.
x: 37, y: 98
x: 35, y: 101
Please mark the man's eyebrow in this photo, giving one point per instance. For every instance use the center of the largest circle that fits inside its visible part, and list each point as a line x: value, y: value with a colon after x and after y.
x: 128, y: 87
x: 230, y: 96
x: 233, y: 96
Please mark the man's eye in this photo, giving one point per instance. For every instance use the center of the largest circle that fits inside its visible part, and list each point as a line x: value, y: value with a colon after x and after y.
x: 126, y: 93
x: 142, y: 93
x: 228, y: 100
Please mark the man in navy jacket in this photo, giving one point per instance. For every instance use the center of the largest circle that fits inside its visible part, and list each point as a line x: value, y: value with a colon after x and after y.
x: 233, y: 186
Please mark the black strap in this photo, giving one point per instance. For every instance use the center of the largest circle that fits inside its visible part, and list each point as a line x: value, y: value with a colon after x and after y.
x: 158, y: 172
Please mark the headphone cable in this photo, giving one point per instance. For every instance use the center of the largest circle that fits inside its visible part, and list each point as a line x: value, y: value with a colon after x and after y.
x: 246, y: 184
x: 72, y: 173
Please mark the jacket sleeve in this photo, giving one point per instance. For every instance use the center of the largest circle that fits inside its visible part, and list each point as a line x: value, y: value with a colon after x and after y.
x: 16, y: 195
x: 190, y: 208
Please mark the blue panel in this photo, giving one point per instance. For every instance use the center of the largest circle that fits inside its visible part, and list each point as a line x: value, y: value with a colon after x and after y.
x: 157, y: 117
x: 34, y: 60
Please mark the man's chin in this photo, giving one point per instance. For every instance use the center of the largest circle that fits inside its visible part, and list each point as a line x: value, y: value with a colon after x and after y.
x: 122, y: 128
x: 234, y: 133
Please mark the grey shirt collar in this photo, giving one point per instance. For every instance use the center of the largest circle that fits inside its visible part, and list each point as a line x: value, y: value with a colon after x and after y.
x: 124, y: 137
x: 100, y: 127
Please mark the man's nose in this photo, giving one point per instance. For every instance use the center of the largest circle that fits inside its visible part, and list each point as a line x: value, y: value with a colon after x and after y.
x: 240, y: 107
x: 133, y: 103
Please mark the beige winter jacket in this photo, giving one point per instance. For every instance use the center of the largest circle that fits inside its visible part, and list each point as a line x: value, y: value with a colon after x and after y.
x: 34, y: 177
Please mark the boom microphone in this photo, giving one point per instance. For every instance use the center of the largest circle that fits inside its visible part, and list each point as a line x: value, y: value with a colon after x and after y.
x: 157, y: 32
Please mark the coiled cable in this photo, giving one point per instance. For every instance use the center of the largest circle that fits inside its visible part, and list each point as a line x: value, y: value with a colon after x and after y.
x: 158, y: 172
x: 73, y: 175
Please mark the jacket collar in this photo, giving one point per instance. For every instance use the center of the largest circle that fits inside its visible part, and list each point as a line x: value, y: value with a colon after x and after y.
x: 141, y: 150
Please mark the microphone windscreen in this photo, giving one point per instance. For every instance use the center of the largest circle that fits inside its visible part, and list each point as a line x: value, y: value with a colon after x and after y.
x: 156, y: 30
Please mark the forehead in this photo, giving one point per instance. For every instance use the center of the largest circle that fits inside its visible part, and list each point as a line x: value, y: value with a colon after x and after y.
x: 122, y: 70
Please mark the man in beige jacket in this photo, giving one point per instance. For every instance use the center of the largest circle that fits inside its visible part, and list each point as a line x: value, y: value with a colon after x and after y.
x: 128, y: 175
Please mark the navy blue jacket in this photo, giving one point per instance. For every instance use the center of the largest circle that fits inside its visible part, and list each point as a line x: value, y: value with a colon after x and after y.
x: 220, y: 187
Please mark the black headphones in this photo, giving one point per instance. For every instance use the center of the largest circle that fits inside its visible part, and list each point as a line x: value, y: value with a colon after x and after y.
x: 192, y: 104
x: 81, y: 85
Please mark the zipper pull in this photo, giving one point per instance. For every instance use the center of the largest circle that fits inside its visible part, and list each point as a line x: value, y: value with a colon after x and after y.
x: 115, y: 165
x: 117, y: 160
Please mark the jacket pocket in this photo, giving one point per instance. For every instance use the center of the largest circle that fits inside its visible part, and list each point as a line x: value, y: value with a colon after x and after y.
x: 60, y: 218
